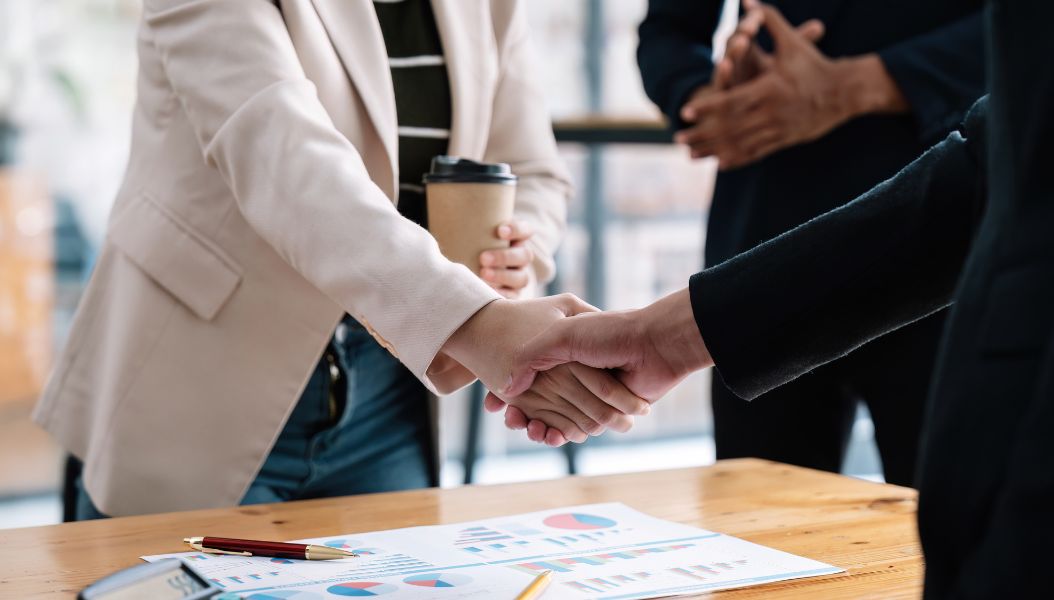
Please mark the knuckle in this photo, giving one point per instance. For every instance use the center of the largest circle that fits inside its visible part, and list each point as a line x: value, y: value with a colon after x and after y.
x: 609, y: 417
x: 605, y: 389
x: 593, y: 428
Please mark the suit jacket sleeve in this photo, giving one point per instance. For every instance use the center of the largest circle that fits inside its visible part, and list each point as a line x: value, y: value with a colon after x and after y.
x: 675, y: 51
x: 816, y: 293
x: 940, y: 73
x: 521, y: 134
x: 300, y: 184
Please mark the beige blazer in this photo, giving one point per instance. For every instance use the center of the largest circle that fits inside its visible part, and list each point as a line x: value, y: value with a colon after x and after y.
x: 258, y: 208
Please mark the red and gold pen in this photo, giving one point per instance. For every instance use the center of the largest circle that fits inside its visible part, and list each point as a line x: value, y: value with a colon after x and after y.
x: 215, y: 545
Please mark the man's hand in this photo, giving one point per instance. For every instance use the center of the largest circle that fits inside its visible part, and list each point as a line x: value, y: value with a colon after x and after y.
x: 489, y: 345
x: 760, y: 103
x: 653, y: 349
x: 506, y: 269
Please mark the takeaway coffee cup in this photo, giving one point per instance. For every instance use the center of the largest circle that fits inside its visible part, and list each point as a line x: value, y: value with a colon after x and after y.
x: 467, y: 201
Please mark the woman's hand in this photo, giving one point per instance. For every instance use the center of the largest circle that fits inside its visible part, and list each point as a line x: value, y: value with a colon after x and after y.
x: 507, y: 269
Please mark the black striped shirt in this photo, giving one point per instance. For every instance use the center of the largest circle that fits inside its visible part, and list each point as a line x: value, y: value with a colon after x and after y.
x: 422, y: 94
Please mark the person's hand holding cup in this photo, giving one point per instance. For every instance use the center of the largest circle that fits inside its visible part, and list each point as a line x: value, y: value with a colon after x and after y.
x: 508, y: 269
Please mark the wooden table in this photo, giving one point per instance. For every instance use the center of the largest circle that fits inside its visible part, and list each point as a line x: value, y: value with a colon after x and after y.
x: 866, y: 528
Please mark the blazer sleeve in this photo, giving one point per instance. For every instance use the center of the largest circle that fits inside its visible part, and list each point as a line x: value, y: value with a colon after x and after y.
x: 675, y: 53
x: 299, y: 183
x: 816, y: 293
x: 521, y: 134
x: 941, y: 73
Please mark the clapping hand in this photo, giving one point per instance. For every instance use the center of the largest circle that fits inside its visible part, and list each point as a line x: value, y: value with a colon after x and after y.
x: 759, y: 102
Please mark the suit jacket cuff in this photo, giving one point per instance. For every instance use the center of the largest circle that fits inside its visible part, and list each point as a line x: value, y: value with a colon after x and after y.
x: 681, y: 91
x: 941, y: 74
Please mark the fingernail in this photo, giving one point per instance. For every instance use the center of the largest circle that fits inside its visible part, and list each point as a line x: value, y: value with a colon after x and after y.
x: 488, y: 274
x: 646, y: 410
x: 504, y: 231
x: 486, y: 258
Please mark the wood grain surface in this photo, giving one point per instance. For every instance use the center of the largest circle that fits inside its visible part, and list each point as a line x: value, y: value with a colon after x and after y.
x: 866, y: 528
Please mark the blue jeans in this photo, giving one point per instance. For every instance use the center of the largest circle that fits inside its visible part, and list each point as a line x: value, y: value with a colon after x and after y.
x: 362, y: 425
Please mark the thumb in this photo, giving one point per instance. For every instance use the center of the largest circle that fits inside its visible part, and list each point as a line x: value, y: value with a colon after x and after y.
x: 779, y: 28
x: 812, y: 30
x: 493, y: 403
x: 548, y: 349
x: 572, y: 305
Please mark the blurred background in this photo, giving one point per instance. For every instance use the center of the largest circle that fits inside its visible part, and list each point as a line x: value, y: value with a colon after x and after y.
x: 67, y: 74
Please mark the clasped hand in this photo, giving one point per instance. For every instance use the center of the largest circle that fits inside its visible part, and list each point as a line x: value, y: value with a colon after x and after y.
x: 576, y: 400
x: 759, y: 102
x: 645, y: 352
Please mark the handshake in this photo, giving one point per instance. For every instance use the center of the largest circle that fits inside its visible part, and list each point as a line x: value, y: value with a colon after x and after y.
x: 564, y: 370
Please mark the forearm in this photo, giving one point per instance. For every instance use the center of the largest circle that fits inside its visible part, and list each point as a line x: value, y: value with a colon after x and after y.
x: 670, y: 327
x: 816, y: 293
x: 868, y: 87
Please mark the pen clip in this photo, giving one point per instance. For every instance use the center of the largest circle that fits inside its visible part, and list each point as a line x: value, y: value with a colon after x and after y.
x: 197, y: 545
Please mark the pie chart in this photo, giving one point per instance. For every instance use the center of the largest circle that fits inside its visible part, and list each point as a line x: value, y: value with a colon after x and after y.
x: 578, y: 521
x: 361, y: 589
x: 284, y: 595
x: 438, y: 580
x: 343, y: 544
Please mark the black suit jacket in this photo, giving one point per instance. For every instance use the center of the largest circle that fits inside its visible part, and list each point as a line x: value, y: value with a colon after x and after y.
x: 932, y: 48
x: 969, y: 224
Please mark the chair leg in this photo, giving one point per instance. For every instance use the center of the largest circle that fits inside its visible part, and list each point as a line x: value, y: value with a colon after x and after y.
x: 70, y: 473
x: 571, y: 454
x: 475, y: 418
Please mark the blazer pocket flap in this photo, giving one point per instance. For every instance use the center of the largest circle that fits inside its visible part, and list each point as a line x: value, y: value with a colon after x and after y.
x: 179, y: 259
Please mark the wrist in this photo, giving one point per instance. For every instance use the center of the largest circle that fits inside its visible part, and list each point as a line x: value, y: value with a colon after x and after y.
x: 867, y: 87
x: 467, y: 340
x: 672, y: 331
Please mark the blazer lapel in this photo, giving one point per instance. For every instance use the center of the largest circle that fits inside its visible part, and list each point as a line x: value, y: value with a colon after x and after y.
x: 471, y: 58
x: 356, y: 35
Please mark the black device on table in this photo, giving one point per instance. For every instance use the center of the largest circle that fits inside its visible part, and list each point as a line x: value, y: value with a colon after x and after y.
x: 168, y: 579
